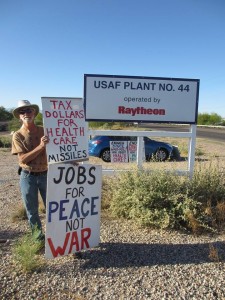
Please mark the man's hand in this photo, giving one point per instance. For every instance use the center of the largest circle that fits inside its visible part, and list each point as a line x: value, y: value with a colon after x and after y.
x: 28, y: 156
x: 44, y: 141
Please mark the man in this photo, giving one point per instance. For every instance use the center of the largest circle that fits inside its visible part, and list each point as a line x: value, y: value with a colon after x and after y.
x: 29, y: 143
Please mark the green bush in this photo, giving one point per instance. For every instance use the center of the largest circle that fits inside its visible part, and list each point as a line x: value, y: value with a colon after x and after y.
x: 163, y: 200
x: 209, y: 119
x: 5, y: 115
x: 207, y: 185
x: 5, y: 142
x: 107, y: 125
x: 4, y: 127
x: 26, y: 251
x: 14, y: 124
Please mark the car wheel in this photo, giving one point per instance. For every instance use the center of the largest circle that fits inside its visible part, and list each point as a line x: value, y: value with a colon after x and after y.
x: 161, y: 154
x: 147, y: 158
x: 105, y: 155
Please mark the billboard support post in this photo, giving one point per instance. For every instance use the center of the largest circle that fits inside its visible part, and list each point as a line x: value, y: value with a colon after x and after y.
x: 191, y: 152
x: 139, y: 151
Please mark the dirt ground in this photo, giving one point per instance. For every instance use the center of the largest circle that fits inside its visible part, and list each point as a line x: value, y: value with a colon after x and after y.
x: 146, y: 259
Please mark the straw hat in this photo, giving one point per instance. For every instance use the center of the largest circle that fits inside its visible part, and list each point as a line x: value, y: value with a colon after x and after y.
x: 25, y: 104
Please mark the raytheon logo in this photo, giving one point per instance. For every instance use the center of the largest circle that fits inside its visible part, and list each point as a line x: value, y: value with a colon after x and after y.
x: 141, y: 111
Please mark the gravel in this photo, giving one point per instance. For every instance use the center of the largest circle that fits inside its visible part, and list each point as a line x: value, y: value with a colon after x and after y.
x: 130, y: 262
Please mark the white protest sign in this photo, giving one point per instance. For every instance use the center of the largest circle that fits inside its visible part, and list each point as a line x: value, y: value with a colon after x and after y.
x: 73, y: 210
x: 141, y: 99
x: 132, y: 151
x: 65, y: 125
x: 118, y: 151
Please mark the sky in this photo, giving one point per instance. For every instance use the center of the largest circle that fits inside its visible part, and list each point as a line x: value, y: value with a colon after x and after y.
x: 48, y: 45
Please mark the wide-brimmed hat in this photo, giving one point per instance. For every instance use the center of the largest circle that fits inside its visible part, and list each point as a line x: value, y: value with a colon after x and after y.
x: 25, y: 104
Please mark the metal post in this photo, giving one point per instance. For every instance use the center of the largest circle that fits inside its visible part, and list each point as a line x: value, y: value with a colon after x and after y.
x: 139, y: 151
x: 191, y: 152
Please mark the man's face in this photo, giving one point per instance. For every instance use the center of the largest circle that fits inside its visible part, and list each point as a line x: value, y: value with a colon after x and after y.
x: 27, y: 114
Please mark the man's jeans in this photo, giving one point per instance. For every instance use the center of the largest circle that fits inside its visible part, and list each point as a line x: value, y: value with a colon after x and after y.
x: 30, y: 185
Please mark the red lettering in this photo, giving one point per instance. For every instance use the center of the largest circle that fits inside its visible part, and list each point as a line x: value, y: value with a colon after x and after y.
x: 121, y: 110
x: 55, y: 114
x: 54, y: 103
x: 74, y: 241
x: 61, y: 104
x: 68, y: 104
x: 85, y: 237
x: 49, y: 132
x: 141, y: 111
x: 47, y: 114
x: 58, y: 250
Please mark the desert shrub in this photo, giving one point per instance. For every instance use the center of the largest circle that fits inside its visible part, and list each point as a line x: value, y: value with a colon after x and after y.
x: 14, y: 124
x: 209, y: 119
x: 163, y: 200
x: 25, y: 252
x: 3, y: 127
x: 5, y: 142
x: 207, y: 185
x: 19, y: 213
x: 107, y: 190
x: 5, y: 114
x: 95, y: 124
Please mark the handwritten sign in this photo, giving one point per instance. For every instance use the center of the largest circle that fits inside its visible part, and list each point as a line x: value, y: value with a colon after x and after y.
x: 118, y: 151
x: 65, y: 125
x: 73, y: 210
x: 132, y: 151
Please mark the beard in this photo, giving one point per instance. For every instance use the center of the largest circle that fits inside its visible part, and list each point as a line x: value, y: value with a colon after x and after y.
x: 28, y: 120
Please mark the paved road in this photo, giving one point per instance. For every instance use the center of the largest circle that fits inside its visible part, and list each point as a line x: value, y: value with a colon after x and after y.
x: 202, y: 132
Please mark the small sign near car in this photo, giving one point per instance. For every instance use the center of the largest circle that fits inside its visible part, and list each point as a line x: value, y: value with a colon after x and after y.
x: 118, y: 151
x: 140, y: 99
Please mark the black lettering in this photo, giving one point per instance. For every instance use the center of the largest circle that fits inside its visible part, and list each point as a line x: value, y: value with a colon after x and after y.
x: 104, y: 84
x: 111, y: 85
x: 97, y: 86
x: 67, y: 179
x: 51, y: 157
x: 84, y: 214
x: 81, y: 177
x: 60, y: 175
x: 92, y: 175
x: 75, y: 208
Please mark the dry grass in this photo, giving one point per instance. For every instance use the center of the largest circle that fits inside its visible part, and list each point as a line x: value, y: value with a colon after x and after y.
x: 20, y: 214
x: 213, y: 253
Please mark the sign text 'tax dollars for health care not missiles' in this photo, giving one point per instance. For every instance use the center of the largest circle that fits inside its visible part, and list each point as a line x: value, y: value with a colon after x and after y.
x: 65, y: 125
x: 141, y: 99
x: 73, y: 208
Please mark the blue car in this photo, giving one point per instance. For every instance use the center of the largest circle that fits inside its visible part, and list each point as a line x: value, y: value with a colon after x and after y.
x: 99, y: 146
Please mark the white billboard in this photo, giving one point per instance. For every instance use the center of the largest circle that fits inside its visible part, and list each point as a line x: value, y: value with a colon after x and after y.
x: 65, y: 125
x: 73, y: 208
x: 140, y: 99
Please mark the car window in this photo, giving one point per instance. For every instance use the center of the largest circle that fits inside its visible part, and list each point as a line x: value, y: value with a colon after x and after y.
x: 133, y: 138
x: 118, y: 138
x: 123, y: 138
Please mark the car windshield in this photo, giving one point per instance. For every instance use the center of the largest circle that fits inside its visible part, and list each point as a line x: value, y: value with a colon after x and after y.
x: 119, y: 138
